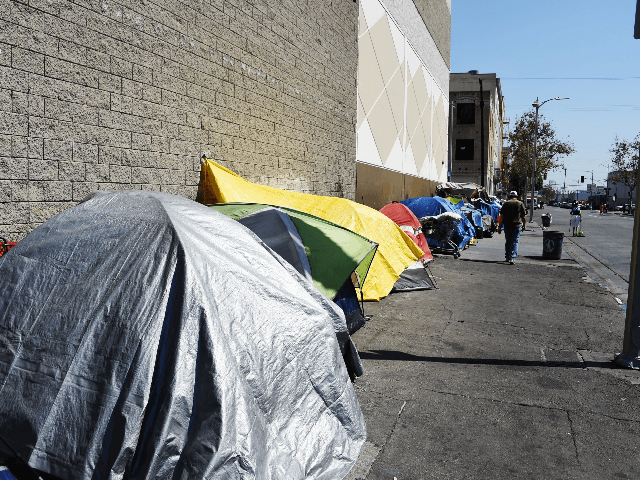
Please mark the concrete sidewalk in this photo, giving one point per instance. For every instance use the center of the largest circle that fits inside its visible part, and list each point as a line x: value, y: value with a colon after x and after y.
x: 505, y: 372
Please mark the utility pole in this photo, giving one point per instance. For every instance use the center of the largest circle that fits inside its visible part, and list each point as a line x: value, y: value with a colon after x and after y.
x: 630, y: 356
x: 482, y: 172
x: 526, y: 180
x: 450, y: 173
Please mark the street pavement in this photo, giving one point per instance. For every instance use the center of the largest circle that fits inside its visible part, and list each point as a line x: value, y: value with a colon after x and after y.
x: 504, y: 372
x: 605, y: 250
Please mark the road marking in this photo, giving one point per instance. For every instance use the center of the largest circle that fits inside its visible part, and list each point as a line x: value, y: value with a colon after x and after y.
x: 599, y: 271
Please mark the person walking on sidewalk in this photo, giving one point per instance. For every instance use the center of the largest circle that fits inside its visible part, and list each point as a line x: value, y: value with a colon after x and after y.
x: 576, y: 218
x: 512, y: 217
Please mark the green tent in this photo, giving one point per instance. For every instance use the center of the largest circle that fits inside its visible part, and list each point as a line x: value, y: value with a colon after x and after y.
x: 324, y: 252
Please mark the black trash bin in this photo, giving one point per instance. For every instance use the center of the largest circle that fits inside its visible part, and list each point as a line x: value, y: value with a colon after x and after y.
x: 546, y: 220
x: 552, y: 244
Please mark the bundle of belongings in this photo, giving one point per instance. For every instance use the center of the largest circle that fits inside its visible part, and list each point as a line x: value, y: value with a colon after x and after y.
x: 143, y: 335
x: 491, y: 209
x: 433, y: 206
x: 467, y: 190
x: 475, y: 217
x: 441, y: 228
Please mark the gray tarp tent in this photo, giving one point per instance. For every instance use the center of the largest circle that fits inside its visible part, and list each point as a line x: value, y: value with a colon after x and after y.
x: 143, y: 335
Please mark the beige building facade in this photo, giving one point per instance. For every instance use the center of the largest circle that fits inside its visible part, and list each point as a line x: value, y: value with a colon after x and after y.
x: 119, y: 94
x: 127, y: 95
x: 466, y: 137
x: 403, y: 101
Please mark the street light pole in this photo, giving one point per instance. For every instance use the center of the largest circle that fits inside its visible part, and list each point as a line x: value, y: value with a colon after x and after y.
x: 482, y: 153
x: 537, y: 104
x: 526, y: 176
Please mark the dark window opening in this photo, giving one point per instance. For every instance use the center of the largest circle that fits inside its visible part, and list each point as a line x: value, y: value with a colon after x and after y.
x: 466, y: 113
x: 464, y: 149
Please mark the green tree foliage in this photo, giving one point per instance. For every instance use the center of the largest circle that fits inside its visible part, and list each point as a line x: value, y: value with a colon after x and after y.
x: 624, y: 162
x: 551, y: 149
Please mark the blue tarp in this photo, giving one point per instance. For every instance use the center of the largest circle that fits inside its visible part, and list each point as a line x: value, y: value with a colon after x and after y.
x: 483, y: 207
x: 495, y: 211
x: 432, y: 206
x: 476, y: 216
x: 492, y: 209
x: 5, y: 474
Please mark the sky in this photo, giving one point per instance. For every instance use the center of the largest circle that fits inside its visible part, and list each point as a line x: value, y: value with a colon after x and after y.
x: 582, y: 49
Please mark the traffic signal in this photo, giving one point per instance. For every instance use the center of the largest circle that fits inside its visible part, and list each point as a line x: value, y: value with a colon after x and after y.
x: 581, y: 178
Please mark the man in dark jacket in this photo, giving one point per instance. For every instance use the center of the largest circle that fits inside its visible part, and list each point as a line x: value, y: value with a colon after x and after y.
x: 512, y: 217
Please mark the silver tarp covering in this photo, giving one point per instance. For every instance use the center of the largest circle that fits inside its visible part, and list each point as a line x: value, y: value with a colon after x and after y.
x: 143, y: 335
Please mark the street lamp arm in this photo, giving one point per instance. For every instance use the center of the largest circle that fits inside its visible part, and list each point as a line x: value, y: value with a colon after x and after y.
x: 538, y: 104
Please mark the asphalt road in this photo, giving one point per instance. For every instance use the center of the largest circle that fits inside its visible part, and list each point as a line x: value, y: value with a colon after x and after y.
x: 608, y: 237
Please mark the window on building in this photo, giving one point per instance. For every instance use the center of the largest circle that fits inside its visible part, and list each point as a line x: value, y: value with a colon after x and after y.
x: 464, y: 149
x: 466, y: 113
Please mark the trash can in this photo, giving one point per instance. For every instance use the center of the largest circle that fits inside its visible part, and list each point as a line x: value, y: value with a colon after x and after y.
x: 552, y: 244
x: 546, y: 220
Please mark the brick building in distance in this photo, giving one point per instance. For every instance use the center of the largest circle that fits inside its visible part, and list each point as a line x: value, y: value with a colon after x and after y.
x: 116, y: 95
x: 466, y: 140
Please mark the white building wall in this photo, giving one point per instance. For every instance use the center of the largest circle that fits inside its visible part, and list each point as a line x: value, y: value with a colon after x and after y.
x: 402, y: 107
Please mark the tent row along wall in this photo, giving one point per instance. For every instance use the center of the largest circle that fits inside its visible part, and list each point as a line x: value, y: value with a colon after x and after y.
x: 175, y: 338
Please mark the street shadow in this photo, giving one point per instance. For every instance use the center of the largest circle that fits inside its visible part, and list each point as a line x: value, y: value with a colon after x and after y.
x: 479, y: 261
x: 407, y: 357
x: 543, y: 259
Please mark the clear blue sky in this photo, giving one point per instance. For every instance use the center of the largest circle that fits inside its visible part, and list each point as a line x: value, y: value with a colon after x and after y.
x: 583, y: 49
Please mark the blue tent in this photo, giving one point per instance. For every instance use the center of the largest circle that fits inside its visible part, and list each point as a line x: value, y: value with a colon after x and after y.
x: 475, y: 217
x: 432, y: 206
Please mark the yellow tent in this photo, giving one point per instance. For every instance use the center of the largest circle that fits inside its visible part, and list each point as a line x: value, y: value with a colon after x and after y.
x: 395, y: 253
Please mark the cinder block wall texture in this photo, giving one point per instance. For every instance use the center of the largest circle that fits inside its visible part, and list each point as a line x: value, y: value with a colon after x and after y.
x: 106, y: 95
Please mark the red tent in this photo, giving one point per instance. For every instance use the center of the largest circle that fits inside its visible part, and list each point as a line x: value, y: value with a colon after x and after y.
x: 408, y: 222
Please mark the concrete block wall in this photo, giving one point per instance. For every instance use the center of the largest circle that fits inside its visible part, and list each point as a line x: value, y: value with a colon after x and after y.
x: 106, y: 95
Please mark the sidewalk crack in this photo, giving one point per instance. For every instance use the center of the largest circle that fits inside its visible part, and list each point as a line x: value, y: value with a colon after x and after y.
x: 573, y: 436
x: 378, y: 452
x: 530, y: 405
x: 393, y: 429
